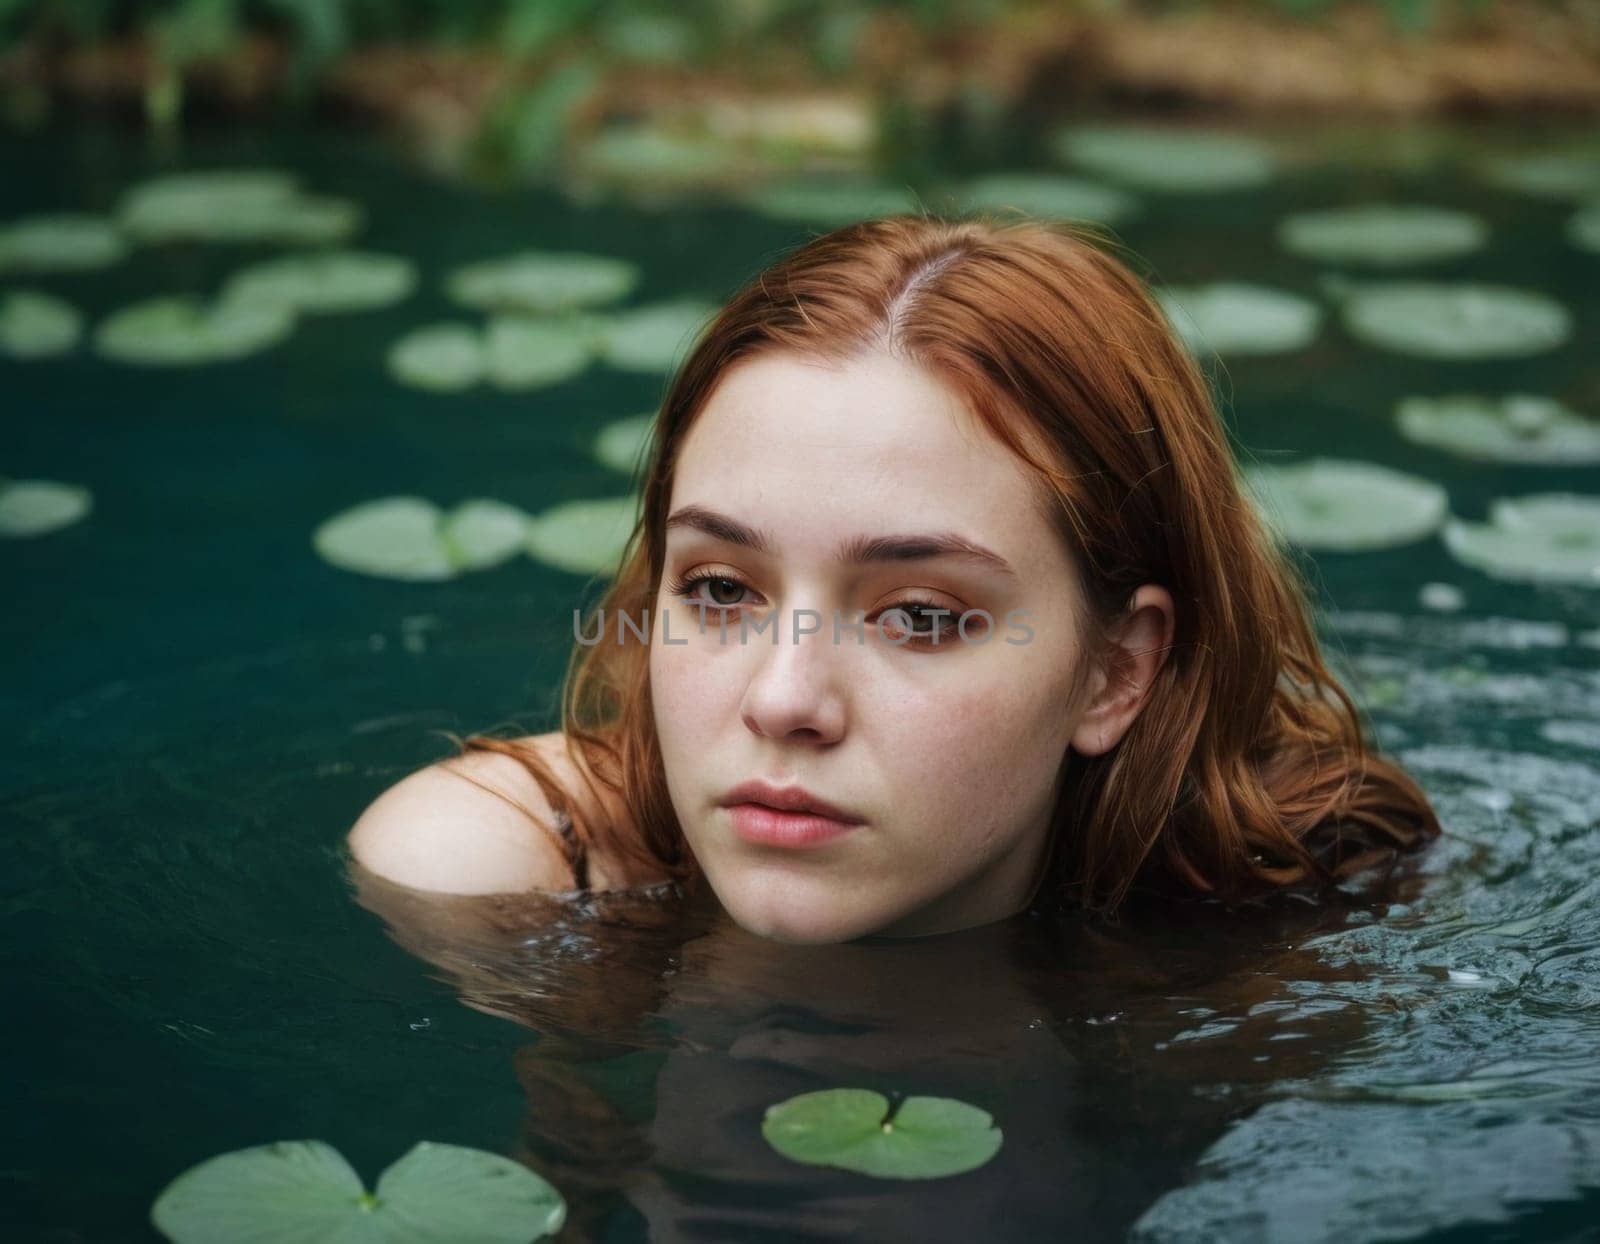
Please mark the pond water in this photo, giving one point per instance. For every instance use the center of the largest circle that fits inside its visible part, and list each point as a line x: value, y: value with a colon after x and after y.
x: 199, y: 706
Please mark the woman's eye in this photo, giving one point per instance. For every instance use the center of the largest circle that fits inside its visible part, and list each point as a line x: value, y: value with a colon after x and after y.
x: 920, y: 620
x: 720, y: 591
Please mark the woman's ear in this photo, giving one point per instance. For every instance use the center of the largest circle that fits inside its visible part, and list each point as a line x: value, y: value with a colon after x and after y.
x: 1139, y: 642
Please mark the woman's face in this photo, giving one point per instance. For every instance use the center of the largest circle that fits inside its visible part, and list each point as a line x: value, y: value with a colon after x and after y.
x: 805, y: 486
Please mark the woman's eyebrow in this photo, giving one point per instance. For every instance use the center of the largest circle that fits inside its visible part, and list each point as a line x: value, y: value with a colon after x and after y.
x: 858, y: 549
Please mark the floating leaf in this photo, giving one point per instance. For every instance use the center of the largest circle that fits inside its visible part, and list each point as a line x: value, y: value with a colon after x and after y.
x: 1046, y: 196
x: 1451, y: 321
x: 1169, y: 159
x: 622, y: 445
x: 541, y: 282
x: 183, y: 331
x: 523, y: 352
x: 1519, y: 427
x: 1583, y: 230
x: 1384, y: 235
x: 296, y: 1192
x: 925, y: 1138
x: 1330, y: 503
x: 652, y: 158
x: 584, y: 537
x: 1544, y: 538
x: 654, y: 338
x: 1548, y: 174
x: 65, y: 242
x: 1234, y: 318
x: 234, y: 205
x: 484, y: 533
x: 830, y: 203
x: 34, y: 507
x: 35, y: 325
x: 411, y: 538
x: 445, y: 358
x: 326, y: 281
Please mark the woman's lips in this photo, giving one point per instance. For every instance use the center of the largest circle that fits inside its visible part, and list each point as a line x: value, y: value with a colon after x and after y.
x: 768, y: 827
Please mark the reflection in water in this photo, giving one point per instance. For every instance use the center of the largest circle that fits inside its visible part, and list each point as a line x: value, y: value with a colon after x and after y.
x: 1110, y: 1054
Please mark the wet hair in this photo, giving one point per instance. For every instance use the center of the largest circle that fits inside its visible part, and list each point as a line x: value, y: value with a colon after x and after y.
x: 1246, y: 770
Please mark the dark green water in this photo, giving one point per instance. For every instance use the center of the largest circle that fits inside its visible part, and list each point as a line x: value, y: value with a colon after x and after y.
x: 197, y: 708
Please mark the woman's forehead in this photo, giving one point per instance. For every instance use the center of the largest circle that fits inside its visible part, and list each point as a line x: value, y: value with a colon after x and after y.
x: 842, y: 448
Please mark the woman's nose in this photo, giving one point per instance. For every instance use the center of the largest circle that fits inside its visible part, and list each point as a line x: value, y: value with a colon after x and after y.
x: 795, y: 688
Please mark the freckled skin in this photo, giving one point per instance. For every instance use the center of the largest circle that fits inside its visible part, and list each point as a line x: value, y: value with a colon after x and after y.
x: 950, y: 753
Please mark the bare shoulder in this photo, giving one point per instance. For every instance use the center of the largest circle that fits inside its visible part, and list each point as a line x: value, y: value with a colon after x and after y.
x: 456, y: 827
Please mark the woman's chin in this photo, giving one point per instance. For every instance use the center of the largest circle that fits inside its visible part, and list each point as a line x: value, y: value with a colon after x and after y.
x: 794, y: 912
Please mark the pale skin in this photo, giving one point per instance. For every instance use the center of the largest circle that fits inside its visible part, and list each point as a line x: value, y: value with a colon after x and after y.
x: 950, y: 753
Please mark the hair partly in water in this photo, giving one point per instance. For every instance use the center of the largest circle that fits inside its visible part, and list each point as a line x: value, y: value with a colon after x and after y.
x: 1246, y: 770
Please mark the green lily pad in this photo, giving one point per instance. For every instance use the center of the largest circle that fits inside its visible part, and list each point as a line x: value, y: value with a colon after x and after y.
x: 1548, y: 174
x: 1231, y: 317
x: 654, y: 338
x: 35, y: 325
x: 300, y: 1191
x: 35, y: 507
x: 652, y: 158
x: 234, y: 205
x: 444, y: 358
x: 1047, y: 196
x: 1519, y: 427
x: 622, y: 445
x: 1583, y: 230
x: 854, y: 1129
x: 523, y: 352
x: 542, y: 282
x: 1544, y: 538
x: 1462, y: 320
x: 184, y: 332
x: 1167, y: 159
x: 326, y: 281
x: 411, y: 538
x: 1343, y: 506
x: 830, y: 204
x: 1382, y: 234
x: 64, y: 242
x: 584, y: 537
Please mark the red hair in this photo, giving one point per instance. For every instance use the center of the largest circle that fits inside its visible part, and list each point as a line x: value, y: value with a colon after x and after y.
x: 1246, y: 769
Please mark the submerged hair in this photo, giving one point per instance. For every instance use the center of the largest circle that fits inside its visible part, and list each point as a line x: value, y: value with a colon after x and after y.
x: 1247, y: 769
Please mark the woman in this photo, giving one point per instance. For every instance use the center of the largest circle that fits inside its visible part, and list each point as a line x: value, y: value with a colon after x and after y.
x: 944, y: 597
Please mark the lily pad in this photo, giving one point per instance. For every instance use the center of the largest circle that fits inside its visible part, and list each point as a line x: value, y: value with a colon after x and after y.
x: 444, y: 358
x: 653, y: 158
x: 326, y: 281
x: 541, y: 282
x: 1344, y: 506
x: 35, y: 325
x: 1548, y: 174
x: 184, y: 332
x: 298, y: 1191
x: 64, y: 242
x: 1544, y: 538
x: 1462, y: 320
x: 623, y: 445
x: 411, y: 538
x: 523, y: 352
x: 1167, y: 158
x: 35, y: 507
x: 584, y: 537
x: 1231, y: 317
x: 1519, y: 427
x: 1383, y: 235
x: 654, y: 338
x: 1583, y: 230
x: 234, y: 205
x: 1046, y: 196
x: 831, y: 204
x: 855, y: 1129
